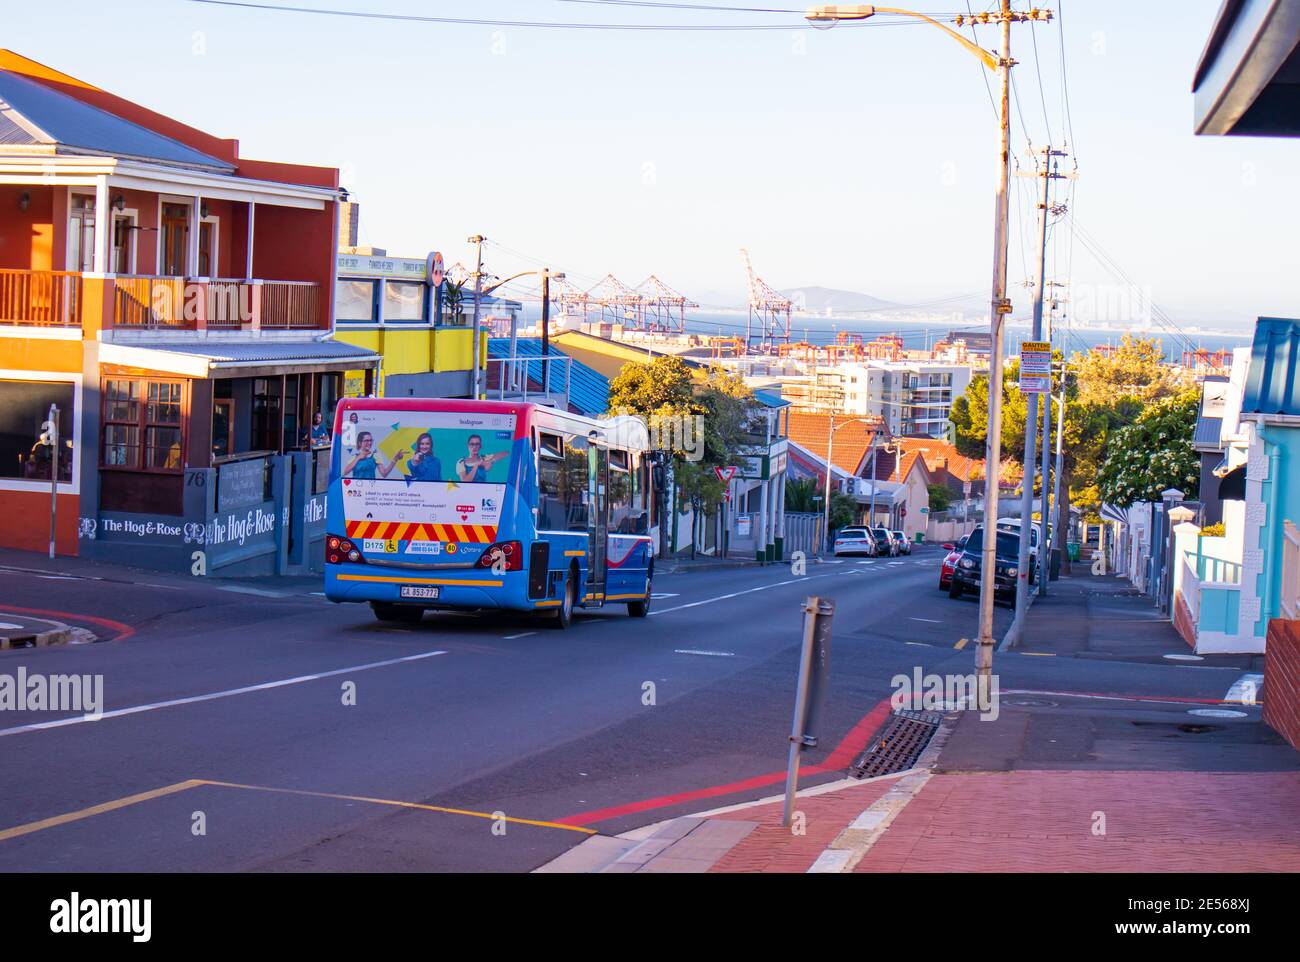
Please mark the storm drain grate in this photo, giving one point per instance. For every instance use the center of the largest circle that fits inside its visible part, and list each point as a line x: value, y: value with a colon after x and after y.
x: 897, y: 746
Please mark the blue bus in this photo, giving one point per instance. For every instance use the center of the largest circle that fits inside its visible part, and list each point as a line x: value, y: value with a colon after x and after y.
x: 440, y: 503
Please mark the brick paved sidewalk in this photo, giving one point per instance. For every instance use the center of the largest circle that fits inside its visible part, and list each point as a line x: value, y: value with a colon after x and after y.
x: 1043, y: 821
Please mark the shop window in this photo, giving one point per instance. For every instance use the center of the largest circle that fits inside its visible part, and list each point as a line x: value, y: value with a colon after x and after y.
x: 24, y: 407
x: 142, y: 425
x: 354, y: 300
x: 403, y: 301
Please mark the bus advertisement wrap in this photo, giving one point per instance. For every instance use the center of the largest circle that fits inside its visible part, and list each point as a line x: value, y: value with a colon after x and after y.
x: 424, y: 477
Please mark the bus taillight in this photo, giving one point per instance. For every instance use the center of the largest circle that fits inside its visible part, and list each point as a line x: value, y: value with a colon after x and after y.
x: 511, y: 553
x: 339, y: 550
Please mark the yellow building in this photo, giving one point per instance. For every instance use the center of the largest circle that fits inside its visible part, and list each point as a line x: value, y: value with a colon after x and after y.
x: 392, y: 306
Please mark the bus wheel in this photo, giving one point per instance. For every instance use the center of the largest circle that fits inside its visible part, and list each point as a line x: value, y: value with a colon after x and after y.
x: 564, y: 614
x: 639, y: 609
x: 390, y: 612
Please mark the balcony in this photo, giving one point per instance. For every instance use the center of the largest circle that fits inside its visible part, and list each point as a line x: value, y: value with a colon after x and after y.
x: 40, y: 298
x: 66, y: 299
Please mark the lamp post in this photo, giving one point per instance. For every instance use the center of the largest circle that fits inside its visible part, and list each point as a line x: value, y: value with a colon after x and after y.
x: 830, y: 448
x: 477, y: 240
x: 547, y: 275
x: 1000, y: 306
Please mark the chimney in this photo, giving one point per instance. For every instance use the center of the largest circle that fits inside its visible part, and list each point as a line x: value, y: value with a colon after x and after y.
x: 349, y: 221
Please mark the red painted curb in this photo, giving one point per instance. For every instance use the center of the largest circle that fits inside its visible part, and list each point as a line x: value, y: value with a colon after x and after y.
x: 123, y: 631
x: 839, y: 758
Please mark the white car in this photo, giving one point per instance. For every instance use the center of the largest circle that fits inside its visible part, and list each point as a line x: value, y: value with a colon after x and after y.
x: 904, y: 546
x: 855, y: 540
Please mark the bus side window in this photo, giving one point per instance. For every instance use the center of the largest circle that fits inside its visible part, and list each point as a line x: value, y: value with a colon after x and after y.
x: 551, y: 478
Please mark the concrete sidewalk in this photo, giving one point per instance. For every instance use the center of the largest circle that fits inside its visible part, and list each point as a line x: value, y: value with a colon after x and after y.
x: 1059, y: 781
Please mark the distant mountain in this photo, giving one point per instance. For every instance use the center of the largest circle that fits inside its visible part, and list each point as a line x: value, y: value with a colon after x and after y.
x: 817, y: 300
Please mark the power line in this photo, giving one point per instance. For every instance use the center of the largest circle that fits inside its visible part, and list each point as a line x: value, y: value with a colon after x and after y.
x: 552, y: 24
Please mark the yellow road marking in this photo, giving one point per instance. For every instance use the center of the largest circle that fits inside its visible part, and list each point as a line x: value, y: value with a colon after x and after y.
x: 420, y: 581
x: 128, y: 800
x: 400, y: 804
x: 112, y: 806
x: 962, y: 644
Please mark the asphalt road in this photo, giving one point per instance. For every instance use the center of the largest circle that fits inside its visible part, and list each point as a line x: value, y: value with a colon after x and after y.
x: 476, y: 743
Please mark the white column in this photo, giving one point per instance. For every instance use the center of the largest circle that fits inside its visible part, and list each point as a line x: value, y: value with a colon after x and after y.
x: 192, y: 254
x: 248, y: 247
x: 103, y: 224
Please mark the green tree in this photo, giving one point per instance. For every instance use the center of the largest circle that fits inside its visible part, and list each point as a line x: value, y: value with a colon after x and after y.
x: 453, y: 299
x: 940, y: 497
x: 1153, y: 453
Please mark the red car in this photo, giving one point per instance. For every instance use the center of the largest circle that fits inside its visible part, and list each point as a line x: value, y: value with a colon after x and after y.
x: 949, y: 564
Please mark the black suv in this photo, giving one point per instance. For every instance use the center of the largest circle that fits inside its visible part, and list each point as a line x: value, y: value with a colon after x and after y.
x: 966, y: 576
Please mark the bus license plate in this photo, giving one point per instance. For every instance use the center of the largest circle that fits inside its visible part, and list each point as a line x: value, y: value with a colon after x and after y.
x: 418, y: 591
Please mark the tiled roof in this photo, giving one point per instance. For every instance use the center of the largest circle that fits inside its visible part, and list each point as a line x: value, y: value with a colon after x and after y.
x: 33, y: 114
x: 852, y: 437
x: 1271, y: 386
x: 935, y: 450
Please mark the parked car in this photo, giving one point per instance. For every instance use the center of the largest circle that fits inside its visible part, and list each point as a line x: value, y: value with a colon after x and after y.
x: 856, y: 540
x: 1013, y: 525
x: 885, y: 541
x: 904, y: 546
x: 966, y: 576
x: 949, y: 563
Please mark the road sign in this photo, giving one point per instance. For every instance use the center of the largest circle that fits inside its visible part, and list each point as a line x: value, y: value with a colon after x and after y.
x: 1035, y: 367
x: 433, y: 268
x: 725, y: 474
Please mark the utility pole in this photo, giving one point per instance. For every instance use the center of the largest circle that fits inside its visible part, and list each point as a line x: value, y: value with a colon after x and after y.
x: 1000, y: 307
x: 1031, y: 415
x: 477, y: 241
x: 1044, y: 522
x: 1056, y: 486
x: 50, y: 436
x: 546, y: 330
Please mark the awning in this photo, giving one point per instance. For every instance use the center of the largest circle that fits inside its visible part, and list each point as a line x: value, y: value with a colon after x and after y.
x: 261, y: 358
x: 1232, y: 486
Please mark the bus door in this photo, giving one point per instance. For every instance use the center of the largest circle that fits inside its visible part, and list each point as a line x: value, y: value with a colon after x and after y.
x: 597, y: 520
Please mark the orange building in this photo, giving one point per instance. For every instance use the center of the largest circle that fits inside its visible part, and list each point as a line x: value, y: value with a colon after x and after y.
x: 175, y: 301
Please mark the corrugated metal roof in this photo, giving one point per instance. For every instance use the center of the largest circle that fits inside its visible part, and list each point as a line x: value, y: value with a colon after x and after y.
x: 68, y: 122
x: 1207, y: 432
x: 588, y: 390
x: 255, y: 351
x: 1271, y: 383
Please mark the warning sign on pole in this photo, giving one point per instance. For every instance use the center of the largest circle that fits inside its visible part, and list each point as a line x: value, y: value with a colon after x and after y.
x: 1035, y: 367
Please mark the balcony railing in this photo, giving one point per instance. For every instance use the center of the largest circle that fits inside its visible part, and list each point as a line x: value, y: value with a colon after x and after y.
x: 291, y: 304
x: 41, y: 298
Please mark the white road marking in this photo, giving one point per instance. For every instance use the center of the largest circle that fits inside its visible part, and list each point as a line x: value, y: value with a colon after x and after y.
x: 658, y: 595
x: 933, y: 621
x: 715, y: 654
x: 1184, y: 657
x: 1245, y: 690
x: 260, y: 592
x: 213, y: 696
x: 523, y: 634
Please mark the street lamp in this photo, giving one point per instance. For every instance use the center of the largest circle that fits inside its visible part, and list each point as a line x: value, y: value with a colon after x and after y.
x: 547, y: 275
x: 830, y: 448
x: 1000, y: 305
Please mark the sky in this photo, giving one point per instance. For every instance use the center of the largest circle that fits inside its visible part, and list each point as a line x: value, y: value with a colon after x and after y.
x: 860, y: 158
